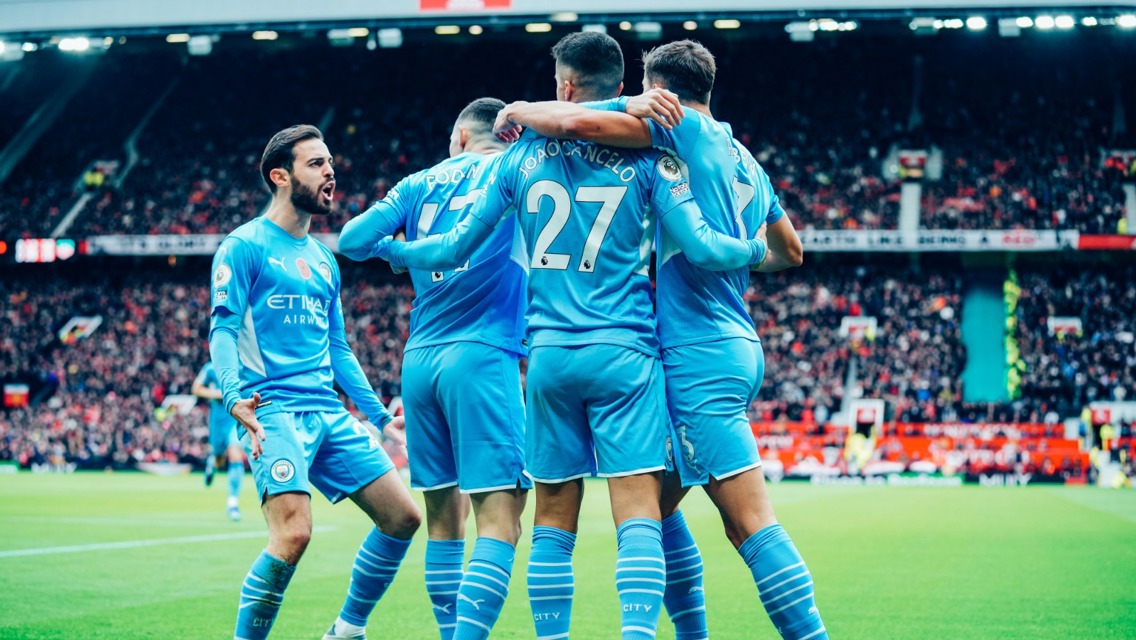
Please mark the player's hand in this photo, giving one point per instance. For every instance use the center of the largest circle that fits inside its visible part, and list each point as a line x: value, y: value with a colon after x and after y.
x: 395, y: 431
x: 244, y: 411
x: 659, y: 105
x: 760, y: 235
x: 505, y: 129
x: 382, y: 250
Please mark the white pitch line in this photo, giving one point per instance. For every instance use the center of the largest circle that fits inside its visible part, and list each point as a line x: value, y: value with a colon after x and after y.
x: 134, y: 544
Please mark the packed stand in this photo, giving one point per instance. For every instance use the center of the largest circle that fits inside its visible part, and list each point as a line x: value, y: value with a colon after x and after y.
x: 103, y: 393
x: 1027, y: 155
x: 93, y: 128
x: 914, y: 362
x: 1069, y: 370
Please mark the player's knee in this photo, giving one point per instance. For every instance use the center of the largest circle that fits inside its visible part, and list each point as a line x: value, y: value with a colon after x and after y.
x: 290, y: 543
x: 404, y: 523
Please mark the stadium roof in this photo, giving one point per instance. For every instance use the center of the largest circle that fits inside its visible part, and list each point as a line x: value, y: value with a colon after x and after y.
x: 113, y: 17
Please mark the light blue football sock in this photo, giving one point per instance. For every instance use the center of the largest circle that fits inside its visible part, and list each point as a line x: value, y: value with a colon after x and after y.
x: 784, y: 584
x: 261, y: 596
x: 640, y: 577
x: 551, y: 581
x: 236, y: 473
x: 375, y: 565
x: 484, y: 588
x: 443, y: 577
x: 684, y: 598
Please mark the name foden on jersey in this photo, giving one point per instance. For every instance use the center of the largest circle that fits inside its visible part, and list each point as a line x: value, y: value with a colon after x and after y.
x: 605, y: 157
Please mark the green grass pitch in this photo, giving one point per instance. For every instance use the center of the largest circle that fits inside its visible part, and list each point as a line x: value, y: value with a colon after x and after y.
x: 137, y: 556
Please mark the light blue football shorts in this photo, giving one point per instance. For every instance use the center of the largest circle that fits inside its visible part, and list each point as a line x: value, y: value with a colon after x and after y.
x: 224, y: 431
x: 595, y: 410
x: 330, y: 449
x: 709, y: 387
x: 465, y: 418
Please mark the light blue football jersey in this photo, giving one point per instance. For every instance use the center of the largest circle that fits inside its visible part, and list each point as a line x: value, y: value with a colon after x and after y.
x: 735, y: 197
x: 588, y: 214
x: 218, y: 419
x: 286, y: 293
x: 482, y: 301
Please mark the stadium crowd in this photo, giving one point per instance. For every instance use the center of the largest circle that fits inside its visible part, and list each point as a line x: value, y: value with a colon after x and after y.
x: 103, y: 390
x: 1070, y: 368
x: 1026, y: 156
x: 98, y: 398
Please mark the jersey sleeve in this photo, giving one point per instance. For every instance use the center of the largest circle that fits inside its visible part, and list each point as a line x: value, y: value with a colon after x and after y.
x: 496, y: 200
x: 682, y: 140
x: 775, y: 212
x: 233, y: 273
x: 614, y: 104
x: 669, y: 187
x: 705, y: 247
x: 361, y: 235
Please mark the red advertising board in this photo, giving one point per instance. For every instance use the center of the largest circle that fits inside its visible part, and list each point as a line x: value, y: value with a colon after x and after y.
x: 463, y: 5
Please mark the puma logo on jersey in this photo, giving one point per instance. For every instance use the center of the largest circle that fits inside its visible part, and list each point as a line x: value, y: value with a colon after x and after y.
x: 695, y: 589
x: 279, y: 262
x: 444, y: 608
x: 475, y: 603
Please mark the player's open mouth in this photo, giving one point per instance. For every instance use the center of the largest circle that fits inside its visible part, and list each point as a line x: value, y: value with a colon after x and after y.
x: 328, y: 189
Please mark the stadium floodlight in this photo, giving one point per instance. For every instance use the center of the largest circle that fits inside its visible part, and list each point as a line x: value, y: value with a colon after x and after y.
x: 976, y: 23
x: 1088, y: 21
x: 1064, y: 22
x: 1044, y: 23
x: 177, y: 38
x: 538, y: 27
x: 447, y: 29
x: 690, y: 25
x: 1024, y: 22
x: 201, y: 45
x: 340, y: 38
x: 648, y: 30
x: 1009, y: 27
x: 801, y: 31
x: 1126, y: 21
x: 828, y: 24
x: 10, y: 52
x: 625, y: 26
x: 358, y: 32
x: 727, y: 24
x: 390, y: 38
x: 265, y: 35
x: 476, y: 30
x: 75, y: 45
x: 925, y: 26
x: 28, y: 47
x: 594, y: 28
x: 564, y: 16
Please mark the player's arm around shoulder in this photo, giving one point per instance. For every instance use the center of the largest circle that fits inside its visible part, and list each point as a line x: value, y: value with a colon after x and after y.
x: 577, y: 122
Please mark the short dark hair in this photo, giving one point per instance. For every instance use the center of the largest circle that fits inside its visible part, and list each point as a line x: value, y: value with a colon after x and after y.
x: 478, y: 116
x: 684, y: 67
x: 278, y: 154
x: 597, y: 60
